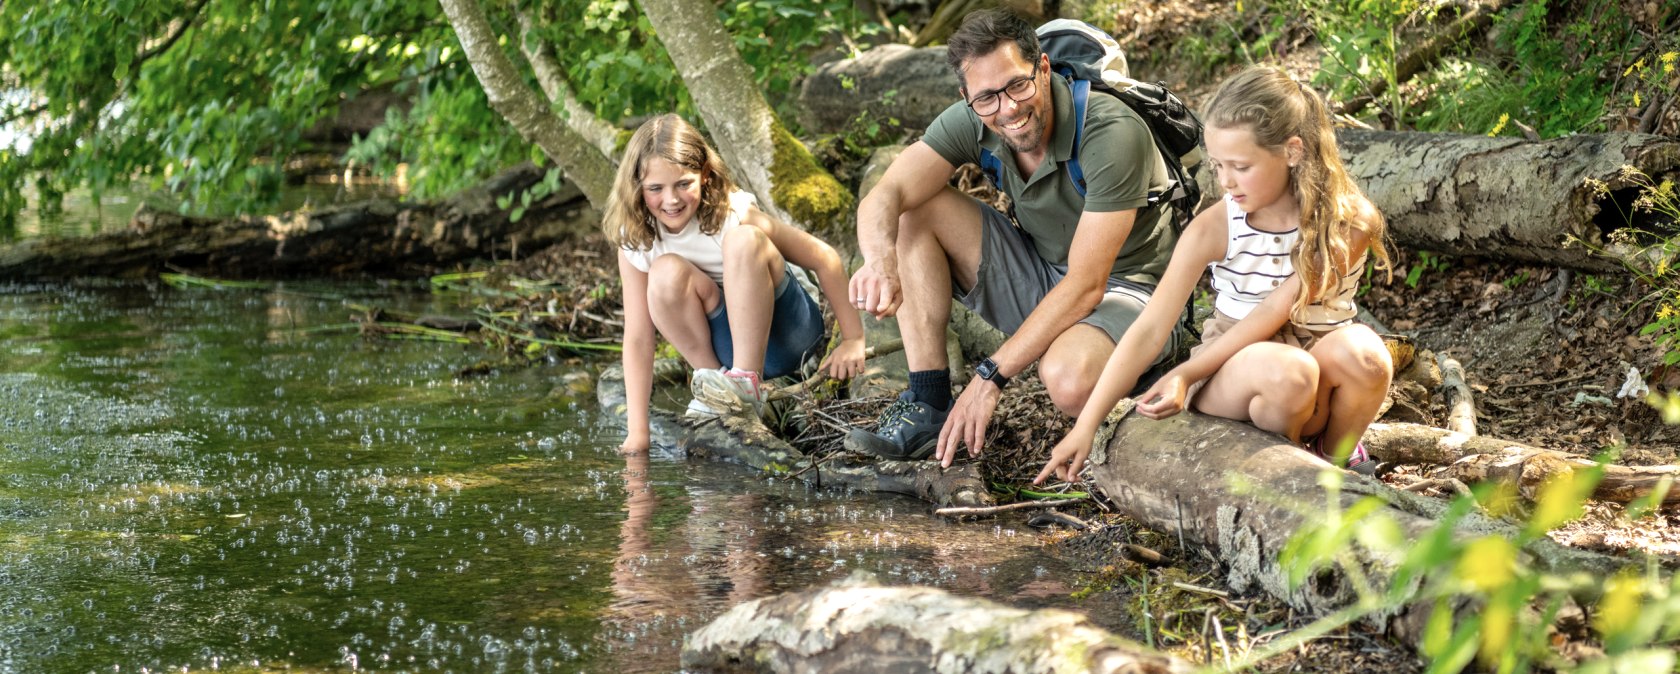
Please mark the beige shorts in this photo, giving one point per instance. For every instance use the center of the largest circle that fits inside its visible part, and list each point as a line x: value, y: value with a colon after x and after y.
x: 1216, y: 325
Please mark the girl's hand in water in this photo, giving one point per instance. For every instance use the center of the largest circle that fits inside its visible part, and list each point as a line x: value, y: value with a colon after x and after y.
x: 635, y: 443
x: 846, y: 361
x: 1068, y: 458
x: 1165, y: 398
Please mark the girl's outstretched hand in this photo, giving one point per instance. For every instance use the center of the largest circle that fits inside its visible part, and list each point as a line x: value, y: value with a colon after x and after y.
x: 846, y: 360
x: 1068, y: 458
x: 1165, y: 398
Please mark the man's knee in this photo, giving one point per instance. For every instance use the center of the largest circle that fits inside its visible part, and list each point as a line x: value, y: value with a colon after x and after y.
x: 1071, y: 368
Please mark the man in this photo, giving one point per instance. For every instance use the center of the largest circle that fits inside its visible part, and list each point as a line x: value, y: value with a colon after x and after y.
x: 1064, y: 285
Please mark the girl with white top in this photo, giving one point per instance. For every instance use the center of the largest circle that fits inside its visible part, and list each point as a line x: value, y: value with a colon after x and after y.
x: 705, y: 267
x: 1286, y: 248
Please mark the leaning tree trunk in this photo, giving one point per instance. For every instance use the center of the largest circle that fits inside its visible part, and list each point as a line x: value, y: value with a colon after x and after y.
x: 1240, y: 494
x: 856, y: 625
x: 381, y: 237
x: 750, y: 443
x: 551, y: 76
x: 1506, y: 197
x: 530, y: 115
x: 764, y: 158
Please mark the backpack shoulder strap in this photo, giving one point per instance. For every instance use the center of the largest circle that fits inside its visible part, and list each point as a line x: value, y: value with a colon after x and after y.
x: 992, y: 168
x: 1081, y: 96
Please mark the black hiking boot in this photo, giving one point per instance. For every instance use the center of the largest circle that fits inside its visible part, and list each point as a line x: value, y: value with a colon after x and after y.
x: 908, y: 431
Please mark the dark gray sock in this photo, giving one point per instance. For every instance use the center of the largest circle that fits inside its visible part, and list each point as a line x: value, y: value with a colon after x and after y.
x: 932, y: 387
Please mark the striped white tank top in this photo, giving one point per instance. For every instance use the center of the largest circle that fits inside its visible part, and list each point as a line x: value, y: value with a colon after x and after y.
x: 1256, y: 262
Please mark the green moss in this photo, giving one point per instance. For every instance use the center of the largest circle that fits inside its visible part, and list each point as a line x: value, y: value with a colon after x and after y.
x: 803, y: 189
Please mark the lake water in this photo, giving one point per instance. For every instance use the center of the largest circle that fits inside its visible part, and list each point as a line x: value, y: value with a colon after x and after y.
x: 191, y: 481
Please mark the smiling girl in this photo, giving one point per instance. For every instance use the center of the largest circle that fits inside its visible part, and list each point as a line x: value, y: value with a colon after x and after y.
x: 1286, y: 248
x: 713, y: 274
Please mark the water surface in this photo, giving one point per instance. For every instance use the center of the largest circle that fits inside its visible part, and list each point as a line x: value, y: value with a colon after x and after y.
x: 189, y: 480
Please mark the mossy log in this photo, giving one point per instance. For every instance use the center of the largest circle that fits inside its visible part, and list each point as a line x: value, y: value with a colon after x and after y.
x: 1240, y: 494
x: 370, y: 238
x: 750, y: 443
x: 856, y: 625
x: 1473, y: 459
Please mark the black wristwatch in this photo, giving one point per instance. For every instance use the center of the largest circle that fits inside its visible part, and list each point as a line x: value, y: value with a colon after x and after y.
x: 988, y: 370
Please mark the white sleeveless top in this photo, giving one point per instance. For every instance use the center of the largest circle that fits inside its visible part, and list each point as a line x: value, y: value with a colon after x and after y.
x: 1257, y: 262
x: 704, y: 250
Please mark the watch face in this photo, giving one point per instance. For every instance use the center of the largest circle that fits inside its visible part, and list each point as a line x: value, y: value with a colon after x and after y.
x: 986, y: 369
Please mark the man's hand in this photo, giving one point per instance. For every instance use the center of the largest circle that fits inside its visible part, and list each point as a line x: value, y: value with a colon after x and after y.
x: 1068, y: 458
x: 1165, y: 398
x: 968, y: 420
x: 846, y: 361
x: 874, y: 288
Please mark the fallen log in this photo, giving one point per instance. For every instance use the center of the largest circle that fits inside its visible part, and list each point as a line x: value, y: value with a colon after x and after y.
x: 748, y: 442
x: 856, y: 625
x: 1473, y: 459
x: 370, y: 238
x: 1239, y: 494
x: 1506, y: 197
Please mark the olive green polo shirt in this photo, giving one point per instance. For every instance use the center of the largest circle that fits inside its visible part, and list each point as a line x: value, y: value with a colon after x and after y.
x: 1121, y: 168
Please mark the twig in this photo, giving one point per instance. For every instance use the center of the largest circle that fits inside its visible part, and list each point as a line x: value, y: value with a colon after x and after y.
x: 993, y: 510
x: 1551, y: 382
x: 819, y: 377
x: 1203, y: 590
x: 1461, y: 414
x: 1457, y: 486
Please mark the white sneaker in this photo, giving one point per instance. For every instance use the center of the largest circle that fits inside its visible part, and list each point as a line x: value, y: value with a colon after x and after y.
x: 731, y: 392
x: 698, y: 410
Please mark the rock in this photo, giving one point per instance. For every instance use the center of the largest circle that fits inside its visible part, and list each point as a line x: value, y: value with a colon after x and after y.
x: 909, y: 84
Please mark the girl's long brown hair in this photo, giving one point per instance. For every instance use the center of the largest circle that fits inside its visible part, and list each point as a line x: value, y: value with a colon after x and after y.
x: 1276, y: 108
x: 628, y: 224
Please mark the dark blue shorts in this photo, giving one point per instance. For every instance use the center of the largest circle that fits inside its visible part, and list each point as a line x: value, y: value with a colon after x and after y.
x: 796, y: 330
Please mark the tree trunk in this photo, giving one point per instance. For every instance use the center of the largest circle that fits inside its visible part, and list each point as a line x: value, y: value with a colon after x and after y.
x: 1474, y: 459
x: 856, y: 625
x: 1185, y: 475
x: 1506, y: 197
x: 371, y: 238
x: 583, y: 164
x: 763, y: 157
x: 552, y: 78
x: 751, y: 444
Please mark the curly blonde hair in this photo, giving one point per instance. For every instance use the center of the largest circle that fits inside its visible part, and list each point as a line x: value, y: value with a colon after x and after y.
x: 1275, y: 108
x: 628, y: 223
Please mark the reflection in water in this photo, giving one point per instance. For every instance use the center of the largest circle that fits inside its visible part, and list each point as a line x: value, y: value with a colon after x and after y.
x: 188, y: 482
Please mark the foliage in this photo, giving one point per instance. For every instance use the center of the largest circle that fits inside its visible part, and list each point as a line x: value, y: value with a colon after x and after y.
x: 1427, y: 262
x: 1636, y: 617
x: 1648, y: 249
x: 208, y: 98
x: 204, y: 97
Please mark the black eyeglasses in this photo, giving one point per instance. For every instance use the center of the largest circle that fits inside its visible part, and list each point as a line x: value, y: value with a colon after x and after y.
x: 1019, y: 89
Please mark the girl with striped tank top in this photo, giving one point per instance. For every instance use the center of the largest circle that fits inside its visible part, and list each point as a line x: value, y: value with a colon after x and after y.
x: 1286, y: 247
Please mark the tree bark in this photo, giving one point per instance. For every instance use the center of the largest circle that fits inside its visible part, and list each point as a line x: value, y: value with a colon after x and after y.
x: 583, y: 164
x: 1474, y: 459
x: 764, y: 158
x: 856, y: 625
x: 750, y: 443
x: 552, y: 78
x: 1239, y: 494
x: 371, y: 238
x: 1505, y: 197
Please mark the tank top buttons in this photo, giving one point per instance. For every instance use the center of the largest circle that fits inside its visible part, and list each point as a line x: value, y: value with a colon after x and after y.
x: 1274, y: 284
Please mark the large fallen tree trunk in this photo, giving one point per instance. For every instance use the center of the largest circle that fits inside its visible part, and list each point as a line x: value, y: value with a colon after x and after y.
x: 383, y: 237
x: 1481, y: 459
x: 750, y: 443
x: 857, y: 626
x: 1506, y: 197
x: 1240, y: 494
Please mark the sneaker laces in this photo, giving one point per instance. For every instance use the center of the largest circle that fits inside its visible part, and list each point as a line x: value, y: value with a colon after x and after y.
x: 896, y: 414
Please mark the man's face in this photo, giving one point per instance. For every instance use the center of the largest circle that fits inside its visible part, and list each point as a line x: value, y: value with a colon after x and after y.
x: 1021, y: 124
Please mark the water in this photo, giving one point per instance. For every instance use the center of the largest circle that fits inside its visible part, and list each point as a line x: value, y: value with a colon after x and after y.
x: 189, y: 482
